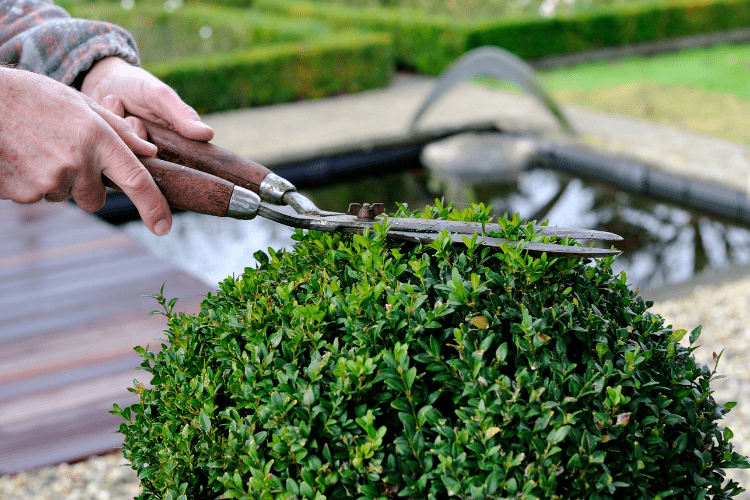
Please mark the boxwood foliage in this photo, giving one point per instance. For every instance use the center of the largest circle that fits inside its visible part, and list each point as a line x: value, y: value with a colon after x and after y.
x: 354, y: 366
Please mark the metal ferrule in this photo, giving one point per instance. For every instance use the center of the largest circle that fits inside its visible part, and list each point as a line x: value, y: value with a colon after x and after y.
x: 273, y: 187
x: 243, y: 204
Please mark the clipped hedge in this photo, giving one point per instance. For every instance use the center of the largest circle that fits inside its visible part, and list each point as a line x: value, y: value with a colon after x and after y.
x: 163, y: 35
x: 424, y: 43
x: 251, y: 57
x: 429, y: 43
x: 346, y: 62
x: 357, y: 367
x: 532, y: 39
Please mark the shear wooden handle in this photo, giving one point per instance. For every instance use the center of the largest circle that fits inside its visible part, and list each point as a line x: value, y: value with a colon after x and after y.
x: 188, y: 189
x: 206, y: 157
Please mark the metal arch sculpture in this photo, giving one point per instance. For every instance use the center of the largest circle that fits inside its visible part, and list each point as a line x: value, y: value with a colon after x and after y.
x: 495, y: 62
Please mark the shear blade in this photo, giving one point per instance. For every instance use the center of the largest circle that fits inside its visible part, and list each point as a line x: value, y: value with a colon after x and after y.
x: 529, y: 246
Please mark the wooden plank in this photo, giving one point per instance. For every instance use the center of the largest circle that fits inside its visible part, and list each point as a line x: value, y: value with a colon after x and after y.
x: 62, y: 425
x: 71, y: 311
x: 56, y: 352
x: 76, y: 374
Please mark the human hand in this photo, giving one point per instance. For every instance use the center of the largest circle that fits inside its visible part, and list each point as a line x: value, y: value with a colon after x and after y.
x: 56, y: 143
x: 125, y: 89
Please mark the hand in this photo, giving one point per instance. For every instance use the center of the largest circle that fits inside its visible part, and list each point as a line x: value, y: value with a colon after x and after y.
x: 123, y: 88
x: 56, y: 143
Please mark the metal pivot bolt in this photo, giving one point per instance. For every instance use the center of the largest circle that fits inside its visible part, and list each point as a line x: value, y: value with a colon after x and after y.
x: 366, y: 211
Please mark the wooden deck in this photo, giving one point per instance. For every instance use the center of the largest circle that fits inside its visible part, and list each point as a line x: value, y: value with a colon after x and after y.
x: 71, y: 311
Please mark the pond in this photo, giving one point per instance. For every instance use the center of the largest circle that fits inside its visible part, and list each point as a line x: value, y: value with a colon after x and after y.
x: 663, y: 244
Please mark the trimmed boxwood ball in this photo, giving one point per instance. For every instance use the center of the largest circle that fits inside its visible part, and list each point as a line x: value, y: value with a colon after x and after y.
x: 355, y: 366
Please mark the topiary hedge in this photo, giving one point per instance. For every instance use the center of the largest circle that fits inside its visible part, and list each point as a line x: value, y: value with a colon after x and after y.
x: 429, y: 44
x: 346, y: 62
x: 164, y: 36
x: 246, y: 57
x: 360, y: 367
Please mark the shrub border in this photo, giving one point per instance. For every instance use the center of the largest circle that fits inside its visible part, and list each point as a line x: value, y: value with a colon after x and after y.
x: 429, y: 43
x: 277, y: 73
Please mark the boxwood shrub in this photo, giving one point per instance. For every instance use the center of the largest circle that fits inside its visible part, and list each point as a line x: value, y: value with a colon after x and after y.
x: 354, y: 366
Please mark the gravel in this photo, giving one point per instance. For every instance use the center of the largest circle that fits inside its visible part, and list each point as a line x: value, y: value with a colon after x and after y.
x: 107, y: 477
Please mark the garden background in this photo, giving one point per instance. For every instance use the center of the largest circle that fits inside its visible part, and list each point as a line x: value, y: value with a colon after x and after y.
x: 234, y: 53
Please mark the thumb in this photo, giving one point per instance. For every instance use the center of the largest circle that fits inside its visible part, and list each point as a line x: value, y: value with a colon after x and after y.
x: 171, y: 109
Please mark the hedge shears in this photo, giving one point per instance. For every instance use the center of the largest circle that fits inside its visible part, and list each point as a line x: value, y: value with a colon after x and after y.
x: 204, y: 178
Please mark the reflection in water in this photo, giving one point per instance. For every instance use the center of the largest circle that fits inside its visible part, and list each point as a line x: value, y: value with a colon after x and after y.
x: 212, y: 248
x: 663, y: 244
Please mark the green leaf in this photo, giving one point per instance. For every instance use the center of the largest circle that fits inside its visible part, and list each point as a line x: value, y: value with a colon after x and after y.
x: 677, y: 335
x: 574, y: 463
x: 558, y: 434
x: 680, y: 443
x: 291, y: 486
x: 453, y: 486
x: 205, y: 422
x: 275, y: 339
x: 649, y: 420
x: 309, y: 396
x: 306, y: 490
x: 673, y: 419
x: 410, y: 376
x: 695, y: 334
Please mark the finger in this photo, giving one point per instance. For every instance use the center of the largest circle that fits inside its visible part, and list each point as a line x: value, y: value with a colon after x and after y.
x: 89, y: 194
x: 138, y: 127
x: 57, y: 187
x: 135, y: 181
x: 56, y: 197
x: 123, y: 129
x: 113, y: 105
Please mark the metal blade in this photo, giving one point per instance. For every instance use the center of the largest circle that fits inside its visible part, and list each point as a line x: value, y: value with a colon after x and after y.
x: 579, y: 234
x: 335, y: 222
x: 535, y: 247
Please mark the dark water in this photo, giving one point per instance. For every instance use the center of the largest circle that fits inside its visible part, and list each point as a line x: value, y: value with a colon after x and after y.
x: 664, y: 244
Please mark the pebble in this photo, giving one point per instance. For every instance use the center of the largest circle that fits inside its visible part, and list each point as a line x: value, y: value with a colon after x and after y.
x: 107, y: 477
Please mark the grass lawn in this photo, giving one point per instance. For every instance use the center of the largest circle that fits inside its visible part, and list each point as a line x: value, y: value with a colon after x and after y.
x: 704, y: 90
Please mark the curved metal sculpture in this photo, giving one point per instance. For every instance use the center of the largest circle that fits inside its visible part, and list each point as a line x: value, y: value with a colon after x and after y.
x: 495, y: 62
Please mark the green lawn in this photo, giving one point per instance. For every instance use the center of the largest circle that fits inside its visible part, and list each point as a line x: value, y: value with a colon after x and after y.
x: 705, y: 90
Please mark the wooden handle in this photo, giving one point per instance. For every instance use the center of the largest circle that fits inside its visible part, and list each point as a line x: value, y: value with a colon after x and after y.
x: 206, y: 157
x: 188, y: 189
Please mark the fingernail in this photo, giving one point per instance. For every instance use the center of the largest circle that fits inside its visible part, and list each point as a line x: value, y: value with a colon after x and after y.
x: 162, y: 227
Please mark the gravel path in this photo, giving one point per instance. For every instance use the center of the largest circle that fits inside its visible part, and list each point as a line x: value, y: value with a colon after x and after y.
x: 100, y: 478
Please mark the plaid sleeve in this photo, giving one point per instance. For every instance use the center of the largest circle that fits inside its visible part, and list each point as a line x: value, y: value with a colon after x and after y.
x: 41, y: 37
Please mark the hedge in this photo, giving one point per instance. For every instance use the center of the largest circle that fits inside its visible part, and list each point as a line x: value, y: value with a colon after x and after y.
x: 251, y: 57
x: 163, y: 35
x: 347, y: 62
x: 429, y: 43
x: 360, y: 367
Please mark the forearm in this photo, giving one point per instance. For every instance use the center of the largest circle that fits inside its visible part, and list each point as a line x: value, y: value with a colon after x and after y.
x: 41, y: 37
